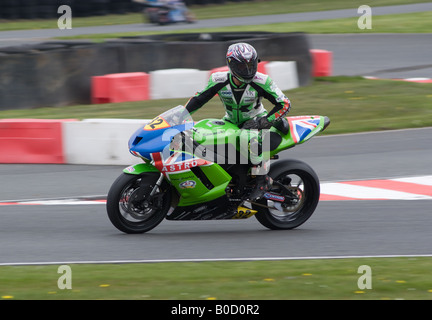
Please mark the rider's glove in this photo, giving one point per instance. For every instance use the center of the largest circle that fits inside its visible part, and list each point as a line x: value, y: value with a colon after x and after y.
x: 257, y: 123
x: 250, y: 124
x: 263, y: 123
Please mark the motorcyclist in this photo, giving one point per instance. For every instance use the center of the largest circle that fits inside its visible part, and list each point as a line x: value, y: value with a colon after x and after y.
x: 166, y: 11
x: 241, y: 90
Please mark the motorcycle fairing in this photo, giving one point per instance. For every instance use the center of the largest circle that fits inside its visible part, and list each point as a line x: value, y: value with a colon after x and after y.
x: 218, y: 132
x: 196, y: 180
x: 217, y: 209
x: 301, y: 129
x: 140, y: 168
x: 211, y: 210
x: 147, y: 140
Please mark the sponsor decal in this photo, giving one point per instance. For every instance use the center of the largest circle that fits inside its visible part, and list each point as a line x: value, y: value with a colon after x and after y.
x: 200, y: 209
x: 174, y: 164
x: 271, y: 196
x: 219, y: 76
x: 188, y: 184
x: 260, y: 78
x: 225, y: 93
x: 130, y: 169
x: 183, y: 165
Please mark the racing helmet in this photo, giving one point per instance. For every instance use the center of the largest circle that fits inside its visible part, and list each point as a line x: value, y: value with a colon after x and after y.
x: 242, y: 60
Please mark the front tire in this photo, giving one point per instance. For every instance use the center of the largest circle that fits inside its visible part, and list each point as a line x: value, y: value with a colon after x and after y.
x: 304, y: 188
x: 130, y: 207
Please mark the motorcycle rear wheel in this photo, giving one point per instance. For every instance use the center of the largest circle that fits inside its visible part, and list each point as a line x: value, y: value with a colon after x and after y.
x: 303, y: 183
x: 131, y: 209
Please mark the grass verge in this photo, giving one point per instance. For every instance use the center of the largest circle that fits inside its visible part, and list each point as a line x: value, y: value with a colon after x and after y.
x: 420, y: 22
x: 354, y: 104
x: 317, y: 279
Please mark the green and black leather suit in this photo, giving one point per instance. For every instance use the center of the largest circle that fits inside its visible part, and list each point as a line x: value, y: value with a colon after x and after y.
x: 243, y: 102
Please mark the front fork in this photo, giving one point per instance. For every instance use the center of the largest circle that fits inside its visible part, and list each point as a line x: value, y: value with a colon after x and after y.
x: 157, y: 185
x: 143, y: 194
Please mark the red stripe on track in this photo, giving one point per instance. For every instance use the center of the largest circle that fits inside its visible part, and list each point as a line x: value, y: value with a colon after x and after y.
x: 18, y: 203
x: 395, y: 186
x: 331, y: 197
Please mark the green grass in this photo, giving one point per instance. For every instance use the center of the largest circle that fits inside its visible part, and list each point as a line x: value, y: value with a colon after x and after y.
x: 320, y: 279
x: 420, y: 22
x: 354, y: 104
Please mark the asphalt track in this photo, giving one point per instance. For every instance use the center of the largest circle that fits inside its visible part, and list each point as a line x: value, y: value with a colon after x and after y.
x: 82, y: 233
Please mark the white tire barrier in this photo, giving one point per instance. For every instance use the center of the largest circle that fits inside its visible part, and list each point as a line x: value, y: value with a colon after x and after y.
x: 100, y: 141
x: 176, y: 83
x: 284, y: 73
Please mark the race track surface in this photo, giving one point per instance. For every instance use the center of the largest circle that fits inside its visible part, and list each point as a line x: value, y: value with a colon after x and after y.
x: 65, y: 233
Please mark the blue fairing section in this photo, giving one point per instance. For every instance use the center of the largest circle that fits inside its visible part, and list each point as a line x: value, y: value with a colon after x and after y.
x: 146, y: 142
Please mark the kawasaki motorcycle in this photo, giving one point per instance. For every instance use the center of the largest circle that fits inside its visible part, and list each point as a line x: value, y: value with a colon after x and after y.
x: 207, y: 170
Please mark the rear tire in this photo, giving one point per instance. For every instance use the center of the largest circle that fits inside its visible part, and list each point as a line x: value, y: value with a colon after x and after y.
x: 130, y: 207
x: 303, y: 183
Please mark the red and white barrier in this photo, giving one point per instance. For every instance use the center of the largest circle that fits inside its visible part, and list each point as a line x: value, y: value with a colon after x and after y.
x: 104, y: 141
x: 120, y: 87
x: 176, y: 83
x: 32, y: 140
x: 322, y: 63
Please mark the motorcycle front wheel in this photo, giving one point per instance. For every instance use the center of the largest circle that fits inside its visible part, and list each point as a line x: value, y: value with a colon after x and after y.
x: 135, y: 204
x: 299, y: 184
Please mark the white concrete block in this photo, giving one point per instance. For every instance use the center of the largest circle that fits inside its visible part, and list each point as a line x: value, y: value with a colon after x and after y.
x: 283, y: 73
x: 177, y: 83
x: 100, y: 141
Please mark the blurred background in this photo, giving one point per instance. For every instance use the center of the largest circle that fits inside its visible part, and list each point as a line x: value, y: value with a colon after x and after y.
x: 72, y: 148
x: 41, y: 9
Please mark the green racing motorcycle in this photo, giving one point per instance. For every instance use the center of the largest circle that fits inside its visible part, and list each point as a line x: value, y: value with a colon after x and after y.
x: 206, y: 170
